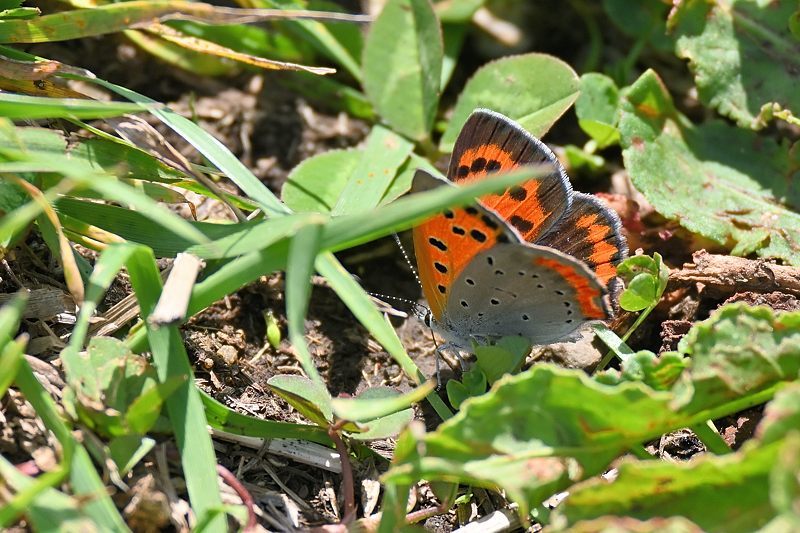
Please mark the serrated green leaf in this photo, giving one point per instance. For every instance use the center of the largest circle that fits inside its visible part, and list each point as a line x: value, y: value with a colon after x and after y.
x: 403, y: 65
x: 722, y: 182
x: 729, y: 493
x: 533, y: 89
x: 738, y: 351
x: 309, y: 397
x: 742, y: 53
x: 657, y: 371
x: 528, y: 434
x: 781, y: 416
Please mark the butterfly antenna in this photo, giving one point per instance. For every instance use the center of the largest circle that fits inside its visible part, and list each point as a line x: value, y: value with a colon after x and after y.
x: 405, y: 256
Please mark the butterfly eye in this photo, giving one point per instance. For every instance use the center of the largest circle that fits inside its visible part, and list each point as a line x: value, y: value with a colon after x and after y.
x: 428, y: 319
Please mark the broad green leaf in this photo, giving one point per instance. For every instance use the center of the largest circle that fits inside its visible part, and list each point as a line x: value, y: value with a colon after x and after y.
x: 742, y: 53
x: 378, y: 402
x: 657, y: 371
x: 785, y: 481
x: 533, y: 89
x: 504, y: 357
x: 309, y: 397
x: 456, y: 393
x: 354, y: 180
x: 724, y: 494
x: 21, y: 107
x: 524, y: 434
x: 640, y: 293
x: 316, y: 184
x: 597, y: 108
x: 460, y: 11
x: 781, y: 416
x: 403, y: 64
x: 644, y: 20
x: 722, y: 182
x: 394, y: 408
x: 370, y: 181
x: 738, y: 351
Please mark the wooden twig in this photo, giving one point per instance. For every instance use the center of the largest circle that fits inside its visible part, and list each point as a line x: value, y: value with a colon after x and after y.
x: 724, y: 274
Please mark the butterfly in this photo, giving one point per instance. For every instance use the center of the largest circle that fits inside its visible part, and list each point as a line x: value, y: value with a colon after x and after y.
x: 535, y: 261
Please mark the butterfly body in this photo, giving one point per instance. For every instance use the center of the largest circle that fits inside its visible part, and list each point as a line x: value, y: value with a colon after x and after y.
x: 534, y: 261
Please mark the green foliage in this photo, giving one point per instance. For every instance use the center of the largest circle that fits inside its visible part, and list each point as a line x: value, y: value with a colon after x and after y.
x: 543, y: 430
x: 645, y: 281
x: 717, y: 180
x: 533, y: 434
x: 402, y: 66
x: 376, y: 413
x: 533, y: 89
x: 743, y: 55
x: 112, y: 390
x: 597, y: 108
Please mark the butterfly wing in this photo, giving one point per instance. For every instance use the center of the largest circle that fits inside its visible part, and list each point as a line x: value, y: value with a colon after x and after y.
x: 490, y: 142
x: 446, y: 243
x: 526, y: 290
x: 590, y: 232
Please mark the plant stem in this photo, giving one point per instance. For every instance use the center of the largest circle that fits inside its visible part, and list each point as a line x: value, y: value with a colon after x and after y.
x: 347, y: 476
x: 709, y: 435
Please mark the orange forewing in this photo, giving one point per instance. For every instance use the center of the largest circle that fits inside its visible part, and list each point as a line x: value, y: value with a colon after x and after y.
x: 446, y: 243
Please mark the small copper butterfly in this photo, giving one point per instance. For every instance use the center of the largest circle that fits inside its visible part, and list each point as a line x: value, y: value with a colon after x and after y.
x: 535, y: 261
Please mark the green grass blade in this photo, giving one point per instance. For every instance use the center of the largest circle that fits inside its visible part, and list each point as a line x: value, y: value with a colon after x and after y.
x: 211, y: 148
x: 21, y: 107
x: 226, y: 419
x: 83, y: 476
x: 185, y: 407
x: 112, y: 189
x: 227, y: 279
x: 364, y: 310
x: 299, y: 268
x: 49, y: 509
x: 105, y: 271
x: 351, y: 230
x: 255, y: 237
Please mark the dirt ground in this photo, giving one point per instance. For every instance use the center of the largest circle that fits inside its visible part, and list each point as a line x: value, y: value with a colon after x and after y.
x: 271, y: 129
